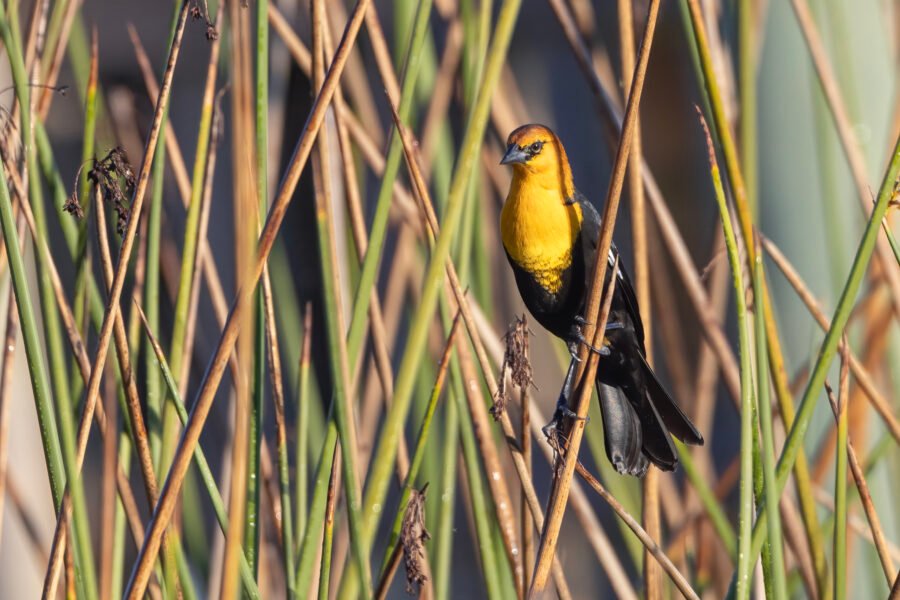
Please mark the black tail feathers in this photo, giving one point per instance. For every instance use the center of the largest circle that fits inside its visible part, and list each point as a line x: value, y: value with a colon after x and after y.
x: 637, y: 420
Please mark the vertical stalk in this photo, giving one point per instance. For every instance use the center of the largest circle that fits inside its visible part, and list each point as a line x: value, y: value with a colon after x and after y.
x: 840, y: 481
x: 328, y: 526
x: 443, y: 544
x: 259, y: 361
x: 154, y: 398
x: 745, y: 516
x: 301, y: 474
x: 767, y: 451
x: 309, y: 545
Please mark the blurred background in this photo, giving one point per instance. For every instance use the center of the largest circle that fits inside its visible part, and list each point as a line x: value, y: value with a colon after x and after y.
x: 801, y: 190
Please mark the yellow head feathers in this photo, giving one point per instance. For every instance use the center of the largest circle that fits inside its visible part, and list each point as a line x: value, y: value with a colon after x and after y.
x: 539, y: 223
x: 538, y: 157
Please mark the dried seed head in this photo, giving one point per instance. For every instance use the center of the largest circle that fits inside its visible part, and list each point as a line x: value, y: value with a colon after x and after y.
x: 108, y: 174
x: 413, y: 536
x: 516, y: 363
x: 73, y: 206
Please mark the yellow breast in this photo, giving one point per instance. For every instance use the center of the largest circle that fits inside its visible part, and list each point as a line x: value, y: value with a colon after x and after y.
x: 539, y: 229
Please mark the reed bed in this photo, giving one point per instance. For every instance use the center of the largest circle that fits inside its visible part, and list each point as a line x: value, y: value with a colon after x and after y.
x: 269, y: 345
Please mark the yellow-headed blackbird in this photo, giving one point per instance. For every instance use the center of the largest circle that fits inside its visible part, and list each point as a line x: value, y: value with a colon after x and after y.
x: 550, y: 233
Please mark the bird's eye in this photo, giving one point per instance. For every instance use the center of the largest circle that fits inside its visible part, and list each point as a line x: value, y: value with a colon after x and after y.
x: 535, y: 147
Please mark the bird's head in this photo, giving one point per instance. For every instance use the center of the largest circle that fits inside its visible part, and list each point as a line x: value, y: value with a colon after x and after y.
x: 537, y: 155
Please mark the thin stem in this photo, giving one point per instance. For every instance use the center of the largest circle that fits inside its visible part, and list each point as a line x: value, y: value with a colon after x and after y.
x: 328, y: 527
x: 764, y: 409
x: 550, y: 533
x: 745, y: 517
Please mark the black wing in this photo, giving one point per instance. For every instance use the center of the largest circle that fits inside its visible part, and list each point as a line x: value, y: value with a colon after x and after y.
x: 590, y: 237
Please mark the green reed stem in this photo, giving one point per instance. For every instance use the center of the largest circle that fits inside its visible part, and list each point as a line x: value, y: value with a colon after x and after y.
x: 315, y: 521
x: 328, y: 532
x: 301, y: 475
x: 745, y: 516
x: 770, y: 496
x: 443, y: 538
x: 840, y: 501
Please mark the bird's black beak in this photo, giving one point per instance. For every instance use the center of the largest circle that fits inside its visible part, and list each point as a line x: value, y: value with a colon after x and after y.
x: 513, y: 155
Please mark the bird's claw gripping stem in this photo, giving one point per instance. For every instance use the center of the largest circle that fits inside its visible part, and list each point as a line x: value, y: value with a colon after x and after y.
x: 562, y: 410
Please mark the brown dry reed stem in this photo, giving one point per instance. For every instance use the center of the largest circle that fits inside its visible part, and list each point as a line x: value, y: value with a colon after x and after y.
x: 36, y: 26
x: 382, y: 55
x: 355, y: 78
x: 837, y: 406
x: 108, y: 492
x: 387, y: 577
x: 342, y: 395
x: 857, y: 524
x: 243, y: 504
x: 863, y: 378
x: 128, y: 239
x: 275, y: 378
x: 526, y: 521
x: 493, y: 469
x: 560, y: 492
x: 849, y: 142
x: 166, y: 505
x: 138, y: 427
x: 462, y: 302
x: 652, y: 547
x: 652, y: 574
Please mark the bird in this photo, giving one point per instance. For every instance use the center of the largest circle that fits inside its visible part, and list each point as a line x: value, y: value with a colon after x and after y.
x: 550, y: 233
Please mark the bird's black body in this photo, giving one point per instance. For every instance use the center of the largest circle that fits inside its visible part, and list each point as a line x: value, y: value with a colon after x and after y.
x: 637, y: 412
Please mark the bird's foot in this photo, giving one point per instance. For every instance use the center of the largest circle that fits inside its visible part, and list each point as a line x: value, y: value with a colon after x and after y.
x: 562, y: 412
x: 580, y: 339
x: 583, y: 341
